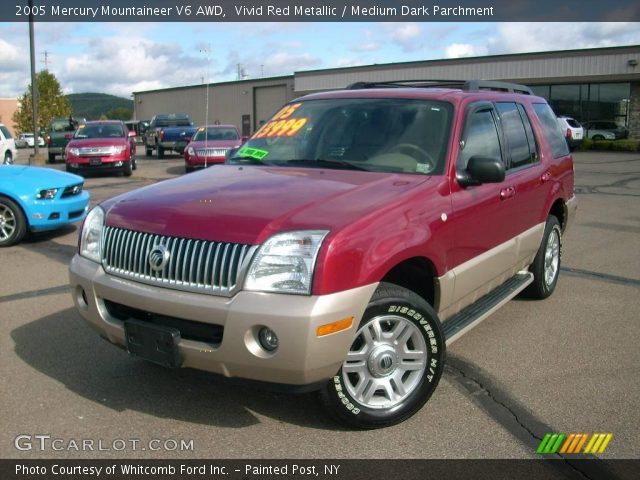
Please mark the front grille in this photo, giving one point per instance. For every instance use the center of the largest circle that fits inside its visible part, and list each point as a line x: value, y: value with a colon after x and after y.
x: 212, y: 152
x: 189, y: 329
x: 192, y: 265
x: 95, y: 151
x: 72, y: 190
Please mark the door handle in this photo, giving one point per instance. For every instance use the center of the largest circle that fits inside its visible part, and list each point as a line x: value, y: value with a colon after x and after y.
x: 546, y: 176
x: 507, y: 193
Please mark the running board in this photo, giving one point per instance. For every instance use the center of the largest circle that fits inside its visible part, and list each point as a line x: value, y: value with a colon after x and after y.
x: 475, y: 313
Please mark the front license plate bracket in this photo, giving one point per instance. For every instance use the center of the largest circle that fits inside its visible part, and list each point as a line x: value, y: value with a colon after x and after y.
x: 155, y: 343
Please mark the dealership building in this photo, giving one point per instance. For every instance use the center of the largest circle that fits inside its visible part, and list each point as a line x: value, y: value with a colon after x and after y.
x: 587, y: 84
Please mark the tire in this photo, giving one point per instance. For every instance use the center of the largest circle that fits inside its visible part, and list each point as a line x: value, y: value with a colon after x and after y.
x: 127, y: 169
x: 13, y: 225
x: 597, y: 138
x: 147, y: 150
x: 188, y: 169
x: 51, y: 158
x: 8, y: 158
x: 159, y: 152
x: 134, y: 163
x: 373, y: 369
x: 546, y: 264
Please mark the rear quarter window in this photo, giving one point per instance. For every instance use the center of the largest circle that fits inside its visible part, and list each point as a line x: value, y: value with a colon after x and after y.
x: 551, y: 130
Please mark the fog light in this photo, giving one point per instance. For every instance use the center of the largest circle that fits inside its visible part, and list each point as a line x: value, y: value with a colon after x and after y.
x: 268, y: 339
x: 118, y: 164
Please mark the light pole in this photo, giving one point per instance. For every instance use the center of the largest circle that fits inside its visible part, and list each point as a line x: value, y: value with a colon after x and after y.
x: 206, y: 108
x: 34, y: 86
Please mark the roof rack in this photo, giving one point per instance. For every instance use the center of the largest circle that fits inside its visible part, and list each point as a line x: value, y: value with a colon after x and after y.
x: 461, y: 84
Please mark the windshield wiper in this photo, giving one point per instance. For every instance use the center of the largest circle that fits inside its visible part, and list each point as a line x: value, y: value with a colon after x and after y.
x: 328, y: 163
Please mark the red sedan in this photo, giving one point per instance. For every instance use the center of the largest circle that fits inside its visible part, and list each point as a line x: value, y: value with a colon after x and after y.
x: 209, y: 145
x: 102, y: 146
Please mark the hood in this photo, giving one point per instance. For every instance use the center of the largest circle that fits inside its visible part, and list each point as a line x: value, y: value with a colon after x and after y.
x: 243, y: 204
x: 96, y: 142
x: 37, y: 177
x: 216, y: 144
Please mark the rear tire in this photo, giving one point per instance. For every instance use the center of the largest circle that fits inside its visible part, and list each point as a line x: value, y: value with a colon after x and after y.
x: 13, y: 225
x: 394, y: 364
x: 546, y: 264
x: 159, y: 152
x: 147, y: 150
x: 51, y: 158
x: 8, y: 158
x: 597, y: 138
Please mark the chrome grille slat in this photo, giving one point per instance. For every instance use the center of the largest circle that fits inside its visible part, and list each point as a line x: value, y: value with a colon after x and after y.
x: 194, y: 265
x: 211, y: 152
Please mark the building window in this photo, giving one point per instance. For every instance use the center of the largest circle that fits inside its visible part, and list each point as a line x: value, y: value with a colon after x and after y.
x: 589, y: 101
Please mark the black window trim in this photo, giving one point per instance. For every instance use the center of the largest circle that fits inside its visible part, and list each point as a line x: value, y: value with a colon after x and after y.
x: 508, y: 169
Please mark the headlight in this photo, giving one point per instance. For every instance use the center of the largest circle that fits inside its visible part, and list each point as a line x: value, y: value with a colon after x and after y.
x: 47, y: 194
x: 91, y: 235
x: 285, y: 263
x: 115, y: 150
x: 191, y: 151
x: 74, y: 151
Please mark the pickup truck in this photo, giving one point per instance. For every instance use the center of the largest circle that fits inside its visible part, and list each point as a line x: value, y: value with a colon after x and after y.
x: 59, y: 134
x: 343, y: 247
x: 168, y: 132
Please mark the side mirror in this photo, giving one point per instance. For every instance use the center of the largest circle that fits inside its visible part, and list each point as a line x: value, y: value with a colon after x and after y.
x: 230, y: 153
x: 244, y: 138
x: 482, y: 170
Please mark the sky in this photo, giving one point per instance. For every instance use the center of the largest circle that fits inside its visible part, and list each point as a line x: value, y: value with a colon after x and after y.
x: 120, y: 58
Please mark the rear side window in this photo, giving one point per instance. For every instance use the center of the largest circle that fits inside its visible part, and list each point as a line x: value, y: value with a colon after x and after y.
x: 573, y: 123
x: 521, y: 146
x: 551, y: 130
x: 481, y: 139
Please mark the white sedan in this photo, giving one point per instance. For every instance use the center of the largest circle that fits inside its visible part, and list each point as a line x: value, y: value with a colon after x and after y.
x: 27, y: 139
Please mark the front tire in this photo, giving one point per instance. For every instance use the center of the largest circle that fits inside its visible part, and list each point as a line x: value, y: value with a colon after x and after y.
x: 546, y: 264
x: 394, y: 364
x: 13, y: 225
x: 127, y: 170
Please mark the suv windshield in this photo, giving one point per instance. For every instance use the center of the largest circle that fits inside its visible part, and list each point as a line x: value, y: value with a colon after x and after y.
x: 377, y: 135
x: 100, y: 131
x: 216, y: 133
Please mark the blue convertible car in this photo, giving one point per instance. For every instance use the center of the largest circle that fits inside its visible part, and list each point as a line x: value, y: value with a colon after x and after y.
x: 37, y: 199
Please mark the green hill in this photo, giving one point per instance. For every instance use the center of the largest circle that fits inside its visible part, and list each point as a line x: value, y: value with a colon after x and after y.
x: 93, y: 105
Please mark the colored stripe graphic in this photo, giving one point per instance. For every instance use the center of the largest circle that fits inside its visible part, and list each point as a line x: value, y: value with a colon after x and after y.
x: 573, y: 443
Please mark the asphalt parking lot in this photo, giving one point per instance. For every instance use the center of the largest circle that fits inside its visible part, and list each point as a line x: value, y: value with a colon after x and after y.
x: 566, y: 364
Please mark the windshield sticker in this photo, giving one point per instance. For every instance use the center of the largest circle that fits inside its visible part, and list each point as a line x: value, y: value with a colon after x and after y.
x: 281, y: 128
x: 286, y: 112
x: 422, y: 168
x: 252, y: 153
x: 201, y: 129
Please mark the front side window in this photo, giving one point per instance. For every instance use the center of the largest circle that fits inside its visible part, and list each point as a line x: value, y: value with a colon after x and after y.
x: 369, y: 134
x: 480, y: 139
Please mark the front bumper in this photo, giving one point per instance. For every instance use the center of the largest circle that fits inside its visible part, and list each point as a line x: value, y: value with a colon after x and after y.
x: 51, y: 214
x: 302, y: 358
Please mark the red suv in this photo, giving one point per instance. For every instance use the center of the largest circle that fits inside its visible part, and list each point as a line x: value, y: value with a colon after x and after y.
x: 353, y: 237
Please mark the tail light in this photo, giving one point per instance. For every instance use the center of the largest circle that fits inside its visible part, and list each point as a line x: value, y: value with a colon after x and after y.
x: 49, y: 140
x: 161, y: 134
x: 568, y: 134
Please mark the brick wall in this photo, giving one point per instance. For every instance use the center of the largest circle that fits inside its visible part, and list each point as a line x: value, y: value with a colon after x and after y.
x: 7, y: 107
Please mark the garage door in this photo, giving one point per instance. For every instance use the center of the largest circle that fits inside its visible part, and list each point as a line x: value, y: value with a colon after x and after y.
x: 267, y: 101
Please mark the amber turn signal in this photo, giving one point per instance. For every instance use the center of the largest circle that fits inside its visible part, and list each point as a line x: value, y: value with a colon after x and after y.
x: 334, y: 327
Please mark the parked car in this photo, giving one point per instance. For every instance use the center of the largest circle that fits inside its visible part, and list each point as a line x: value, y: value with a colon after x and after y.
x: 8, y: 151
x: 342, y: 247
x: 35, y: 199
x: 603, y: 129
x: 139, y: 127
x: 209, y: 146
x: 25, y: 140
x: 168, y: 132
x: 104, y: 145
x: 59, y: 134
x: 573, y: 131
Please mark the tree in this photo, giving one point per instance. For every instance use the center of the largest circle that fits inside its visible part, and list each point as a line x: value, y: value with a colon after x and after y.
x: 120, y: 113
x: 51, y: 103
